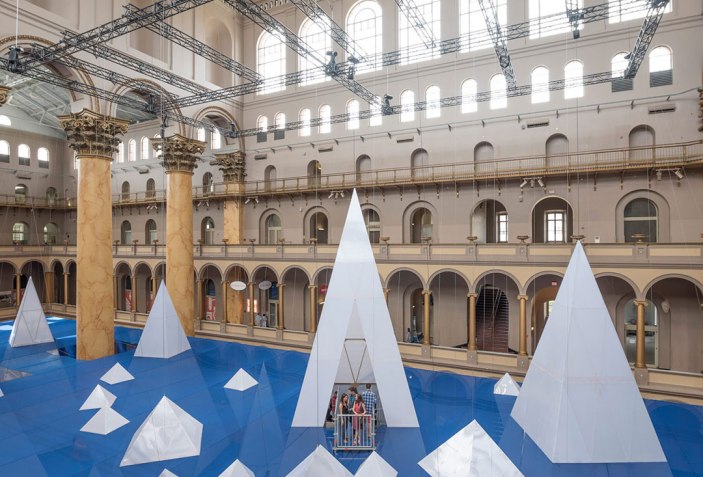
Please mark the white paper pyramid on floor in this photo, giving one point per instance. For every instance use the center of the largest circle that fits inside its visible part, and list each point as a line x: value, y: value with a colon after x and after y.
x: 355, y: 323
x: 167, y: 473
x: 104, y: 422
x: 117, y: 374
x: 320, y: 463
x: 163, y: 335
x: 98, y: 399
x: 470, y: 452
x: 241, y: 381
x: 1, y: 393
x: 579, y: 401
x: 237, y: 469
x: 167, y: 433
x: 375, y: 466
x: 506, y: 386
x: 30, y: 326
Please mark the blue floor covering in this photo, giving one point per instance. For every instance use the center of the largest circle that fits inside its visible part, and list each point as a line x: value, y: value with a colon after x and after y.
x: 40, y: 420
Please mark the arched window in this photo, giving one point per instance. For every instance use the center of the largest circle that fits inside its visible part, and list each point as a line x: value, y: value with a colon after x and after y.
x: 201, y: 134
x: 319, y: 227
x: 273, y: 229
x: 540, y: 85
x: 20, y: 233
x: 365, y: 26
x: 314, y: 173
x: 21, y: 192
x: 557, y: 150
x: 419, y: 161
x: 279, y: 121
x: 617, y: 67
x: 271, y: 62
x: 157, y: 145
x: 640, y: 140
x: 120, y: 152
x: 207, y: 231
x: 4, y: 151
x: 126, y: 233
x: 469, y: 88
x: 132, y: 150
x: 24, y: 154
x: 363, y: 168
x: 573, y: 80
x: 208, y: 183
x: 622, y: 11
x: 5, y: 121
x: 150, y: 188
x: 376, y: 118
x: 304, y: 117
x: 432, y: 102
x: 473, y: 30
x: 43, y: 157
x: 325, y: 118
x: 373, y: 225
x: 215, y: 139
x: 483, y: 152
x: 144, y: 154
x: 262, y: 123
x: 640, y: 219
x: 125, y: 190
x: 51, y: 196
x: 269, y: 177
x: 51, y: 231
x: 407, y: 106
x: 499, y: 97
x: 411, y: 44
x: 660, y: 67
x: 421, y: 225
x: 353, y: 112
x: 150, y: 234
x: 315, y: 34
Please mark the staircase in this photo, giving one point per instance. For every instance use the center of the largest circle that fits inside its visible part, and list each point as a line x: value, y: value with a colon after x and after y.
x: 492, y: 320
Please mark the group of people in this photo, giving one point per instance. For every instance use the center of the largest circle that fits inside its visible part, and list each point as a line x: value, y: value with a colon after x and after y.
x: 360, y: 407
x: 261, y: 320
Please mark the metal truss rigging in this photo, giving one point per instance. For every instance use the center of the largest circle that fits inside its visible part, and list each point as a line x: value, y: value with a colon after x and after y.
x: 160, y: 10
x: 257, y: 15
x: 198, y: 47
x: 574, y: 15
x: 649, y: 27
x: 339, y: 36
x: 490, y: 15
x: 417, y: 21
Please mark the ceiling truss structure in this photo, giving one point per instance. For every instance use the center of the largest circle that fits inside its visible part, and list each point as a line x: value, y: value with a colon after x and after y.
x: 575, y: 17
x: 417, y: 21
x: 500, y: 44
x: 644, y: 39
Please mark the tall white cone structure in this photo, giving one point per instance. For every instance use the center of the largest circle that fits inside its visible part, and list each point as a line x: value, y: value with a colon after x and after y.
x: 579, y: 401
x: 30, y: 326
x: 163, y: 335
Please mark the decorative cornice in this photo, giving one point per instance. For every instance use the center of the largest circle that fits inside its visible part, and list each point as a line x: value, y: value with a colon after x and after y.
x: 178, y: 153
x: 4, y: 94
x: 93, y: 134
x: 232, y: 165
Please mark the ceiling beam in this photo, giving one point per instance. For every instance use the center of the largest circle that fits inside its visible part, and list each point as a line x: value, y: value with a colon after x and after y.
x: 644, y: 39
x: 417, y: 21
x: 490, y: 15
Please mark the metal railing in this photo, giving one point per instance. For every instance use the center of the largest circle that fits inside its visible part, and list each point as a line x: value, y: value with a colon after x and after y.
x: 354, y: 432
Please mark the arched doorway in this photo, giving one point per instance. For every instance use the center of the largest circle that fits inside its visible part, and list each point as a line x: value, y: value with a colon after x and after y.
x: 236, y: 299
x: 318, y: 227
x: 497, y: 313
x: 421, y: 225
x: 489, y: 222
x: 212, y: 299
x: 296, y: 298
x: 552, y: 221
x: 450, y: 324
x: 405, y: 304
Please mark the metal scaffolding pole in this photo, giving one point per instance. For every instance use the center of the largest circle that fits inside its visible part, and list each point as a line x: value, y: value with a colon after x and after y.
x: 649, y: 28
x: 490, y: 15
x: 417, y: 22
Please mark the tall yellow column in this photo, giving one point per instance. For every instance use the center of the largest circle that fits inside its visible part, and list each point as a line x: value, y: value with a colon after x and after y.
x: 224, y: 301
x: 522, y: 328
x: 281, y: 307
x: 313, y: 308
x: 472, y: 321
x: 94, y: 138
x: 18, y: 289
x: 252, y: 313
x: 640, y: 361
x: 426, y: 317
x: 179, y: 155
x: 233, y: 167
x: 48, y: 287
x: 65, y: 288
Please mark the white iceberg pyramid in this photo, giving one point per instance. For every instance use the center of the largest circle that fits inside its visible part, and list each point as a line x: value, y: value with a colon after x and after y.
x: 375, y: 466
x: 506, y: 386
x: 355, y: 337
x: 117, y: 374
x: 30, y: 326
x: 237, y: 469
x: 167, y: 473
x: 241, y: 381
x: 104, y: 422
x: 579, y: 401
x: 470, y: 452
x: 167, y: 433
x: 1, y: 393
x: 320, y: 463
x: 163, y: 335
x: 98, y: 399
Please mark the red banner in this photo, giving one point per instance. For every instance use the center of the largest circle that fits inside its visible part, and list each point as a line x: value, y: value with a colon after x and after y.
x: 210, y: 307
x: 128, y: 300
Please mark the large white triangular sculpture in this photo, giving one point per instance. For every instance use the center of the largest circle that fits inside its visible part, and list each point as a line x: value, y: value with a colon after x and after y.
x: 470, y: 452
x: 117, y: 374
x: 506, y: 386
x: 237, y: 469
x: 163, y: 335
x: 167, y: 433
x: 241, y: 381
x: 104, y: 422
x: 30, y: 326
x: 355, y: 324
x: 579, y: 401
x: 375, y: 466
x: 320, y: 463
x: 98, y: 399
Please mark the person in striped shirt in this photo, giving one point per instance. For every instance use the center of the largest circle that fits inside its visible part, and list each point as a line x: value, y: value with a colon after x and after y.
x: 369, y: 398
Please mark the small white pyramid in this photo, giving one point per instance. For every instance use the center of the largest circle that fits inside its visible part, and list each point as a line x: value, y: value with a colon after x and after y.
x: 30, y: 326
x: 579, y: 401
x: 375, y: 466
x: 98, y: 399
x: 167, y: 433
x: 1, y: 393
x: 241, y: 381
x: 470, y: 452
x: 320, y: 463
x: 104, y: 422
x: 506, y: 386
x: 237, y: 469
x: 167, y: 473
x: 117, y: 374
x: 163, y: 335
